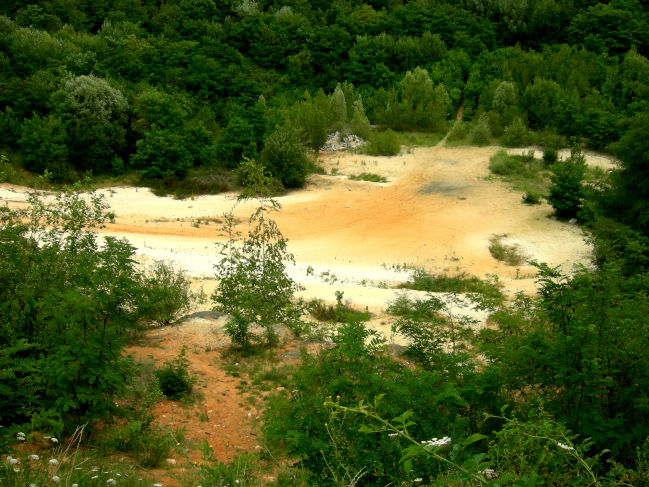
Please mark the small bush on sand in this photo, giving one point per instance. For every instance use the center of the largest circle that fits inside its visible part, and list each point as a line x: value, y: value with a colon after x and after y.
x: 458, y: 132
x: 532, y: 197
x: 339, y: 313
x: 515, y: 134
x: 550, y: 156
x: 372, y: 178
x: 509, y: 254
x: 167, y: 294
x: 174, y: 377
x: 480, y: 134
x: 385, y: 143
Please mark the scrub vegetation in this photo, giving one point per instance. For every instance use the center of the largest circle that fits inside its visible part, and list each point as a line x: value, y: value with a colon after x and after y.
x: 200, y: 96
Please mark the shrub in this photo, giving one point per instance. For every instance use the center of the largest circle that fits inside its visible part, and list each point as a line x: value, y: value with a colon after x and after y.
x: 532, y: 197
x: 372, y: 178
x: 384, y: 144
x: 237, y: 140
x: 338, y: 313
x: 550, y: 156
x: 73, y: 301
x: 458, y: 132
x: 167, y: 294
x: 515, y: 134
x: 480, y: 134
x: 174, y: 378
x: 285, y: 157
x: 566, y: 190
x: 503, y: 164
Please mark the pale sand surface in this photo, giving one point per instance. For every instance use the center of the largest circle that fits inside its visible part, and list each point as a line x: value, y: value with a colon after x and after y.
x: 437, y: 210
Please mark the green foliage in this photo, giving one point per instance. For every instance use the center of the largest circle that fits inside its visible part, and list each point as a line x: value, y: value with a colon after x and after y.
x: 511, y: 254
x: 162, y: 154
x: 174, y: 378
x: 559, y: 342
x: 237, y: 140
x: 372, y: 178
x: 384, y: 144
x: 533, y: 197
x: 566, y: 190
x: 460, y: 283
x: 253, y: 284
x: 68, y: 302
x: 480, y: 133
x: 515, y: 134
x: 167, y: 294
x: 550, y: 156
x: 44, y: 146
x: 285, y: 158
x: 458, y: 132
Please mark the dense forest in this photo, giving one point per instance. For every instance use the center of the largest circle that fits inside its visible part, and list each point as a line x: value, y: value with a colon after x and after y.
x: 204, y: 95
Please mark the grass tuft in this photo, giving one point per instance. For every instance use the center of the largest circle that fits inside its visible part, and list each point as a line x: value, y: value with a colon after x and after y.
x: 510, y: 254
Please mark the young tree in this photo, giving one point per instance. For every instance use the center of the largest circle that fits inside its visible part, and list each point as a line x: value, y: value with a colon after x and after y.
x: 566, y: 190
x: 253, y: 284
x: 285, y: 157
x: 162, y: 154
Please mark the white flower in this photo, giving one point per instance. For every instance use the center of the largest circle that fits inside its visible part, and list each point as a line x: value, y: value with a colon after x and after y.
x: 236, y: 481
x: 34, y: 457
x: 21, y: 438
x: 8, y: 458
x: 54, y: 440
x: 53, y: 461
x: 565, y: 447
x: 393, y: 434
x: 20, y: 434
x: 111, y: 481
x: 118, y: 474
x: 75, y: 485
x: 56, y: 479
x: 94, y: 469
x: 489, y: 473
x: 12, y: 461
x: 93, y: 478
x: 418, y: 479
x: 157, y: 485
x: 47, y: 437
x: 437, y: 442
x: 16, y: 470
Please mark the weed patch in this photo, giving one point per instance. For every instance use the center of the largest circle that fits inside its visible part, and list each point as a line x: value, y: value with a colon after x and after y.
x: 458, y: 283
x: 372, y: 178
x: 510, y: 254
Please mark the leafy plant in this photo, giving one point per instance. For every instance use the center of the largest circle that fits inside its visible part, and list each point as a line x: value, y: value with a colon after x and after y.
x: 384, y: 144
x: 167, y: 294
x: 253, y: 285
x: 174, y: 378
x: 567, y: 191
x: 511, y: 254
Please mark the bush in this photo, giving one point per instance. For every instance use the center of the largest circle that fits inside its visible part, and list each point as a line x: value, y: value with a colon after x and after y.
x: 371, y: 178
x: 566, y: 190
x: 73, y: 302
x: 458, y: 132
x: 338, y: 313
x: 237, y: 140
x: 503, y: 164
x: 285, y: 157
x: 480, y: 134
x: 550, y: 156
x: 174, y: 378
x: 515, y: 134
x: 532, y: 197
x: 385, y: 143
x: 167, y: 294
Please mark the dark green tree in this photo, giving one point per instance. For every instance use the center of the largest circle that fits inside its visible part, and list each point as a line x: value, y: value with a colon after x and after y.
x: 285, y: 157
x: 235, y: 141
x: 44, y: 143
x: 567, y: 190
x: 162, y: 154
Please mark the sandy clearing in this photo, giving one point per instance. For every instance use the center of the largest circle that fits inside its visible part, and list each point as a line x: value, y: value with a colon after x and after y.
x: 437, y: 209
